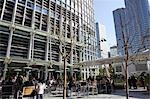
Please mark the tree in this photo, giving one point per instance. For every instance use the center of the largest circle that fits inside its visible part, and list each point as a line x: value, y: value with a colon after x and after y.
x: 65, y: 55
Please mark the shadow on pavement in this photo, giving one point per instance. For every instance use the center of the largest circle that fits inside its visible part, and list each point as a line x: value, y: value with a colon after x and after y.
x: 133, y: 93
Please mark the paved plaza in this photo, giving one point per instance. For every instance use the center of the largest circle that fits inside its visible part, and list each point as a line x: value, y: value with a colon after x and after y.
x: 118, y: 94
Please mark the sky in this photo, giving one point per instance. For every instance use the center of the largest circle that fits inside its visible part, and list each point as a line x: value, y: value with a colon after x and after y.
x: 103, y: 14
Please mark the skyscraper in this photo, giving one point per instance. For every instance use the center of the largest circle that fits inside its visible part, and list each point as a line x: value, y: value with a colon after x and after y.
x: 101, y: 40
x: 138, y: 14
x: 98, y: 47
x: 33, y: 32
x: 134, y: 22
x: 120, y: 20
x: 132, y: 25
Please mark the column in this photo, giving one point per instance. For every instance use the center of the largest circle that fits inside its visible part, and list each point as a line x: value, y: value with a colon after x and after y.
x: 46, y: 58
x: 30, y: 46
x: 14, y: 12
x: 46, y: 72
x: 33, y: 15
x: 88, y: 72
x: 4, y: 4
x: 84, y: 74
x: 60, y: 56
x: 41, y: 16
x: 71, y: 61
x: 24, y: 15
x: 6, y: 62
x: 72, y: 39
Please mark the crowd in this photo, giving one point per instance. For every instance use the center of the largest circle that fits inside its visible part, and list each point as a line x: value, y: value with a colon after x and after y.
x: 20, y: 85
x: 35, y: 88
x: 133, y: 81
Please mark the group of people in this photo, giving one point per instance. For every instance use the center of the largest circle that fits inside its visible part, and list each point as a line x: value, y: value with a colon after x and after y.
x: 19, y: 86
x: 132, y: 81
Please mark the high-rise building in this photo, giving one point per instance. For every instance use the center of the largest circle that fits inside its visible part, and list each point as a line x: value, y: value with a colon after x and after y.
x: 120, y: 20
x: 113, y: 51
x: 34, y: 32
x: 132, y: 25
x: 98, y: 47
x: 101, y: 41
x: 138, y: 15
x: 134, y: 22
x: 118, y: 68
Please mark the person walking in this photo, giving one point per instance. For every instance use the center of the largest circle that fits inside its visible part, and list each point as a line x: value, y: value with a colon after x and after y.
x: 142, y: 80
x: 134, y: 81
x: 130, y: 82
x: 40, y: 89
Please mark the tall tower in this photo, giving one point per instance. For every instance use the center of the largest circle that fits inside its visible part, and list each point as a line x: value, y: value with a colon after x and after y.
x: 138, y: 14
x: 134, y: 22
x: 120, y: 28
x: 103, y: 41
x: 98, y: 47
x: 132, y: 25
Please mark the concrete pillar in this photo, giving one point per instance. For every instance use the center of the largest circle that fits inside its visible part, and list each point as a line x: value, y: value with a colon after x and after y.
x: 3, y: 9
x: 60, y: 56
x: 71, y: 61
x: 88, y: 72
x: 8, y: 53
x: 5, y: 71
x: 33, y: 16
x: 46, y: 58
x: 9, y: 43
x: 24, y: 12
x: 84, y: 73
x: 46, y: 72
x: 14, y: 12
x: 30, y: 46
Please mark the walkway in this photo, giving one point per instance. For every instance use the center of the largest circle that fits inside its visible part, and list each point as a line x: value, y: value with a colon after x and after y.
x: 139, y: 93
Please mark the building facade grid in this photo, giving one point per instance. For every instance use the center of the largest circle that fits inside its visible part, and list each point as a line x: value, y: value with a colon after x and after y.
x: 30, y: 30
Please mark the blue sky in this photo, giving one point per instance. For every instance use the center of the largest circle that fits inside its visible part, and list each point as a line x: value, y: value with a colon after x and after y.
x: 103, y: 14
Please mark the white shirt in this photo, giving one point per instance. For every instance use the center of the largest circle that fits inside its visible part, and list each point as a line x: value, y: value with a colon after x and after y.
x: 41, y: 88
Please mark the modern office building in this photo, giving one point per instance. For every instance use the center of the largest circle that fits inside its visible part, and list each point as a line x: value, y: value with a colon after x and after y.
x: 102, y: 50
x: 118, y: 68
x: 101, y: 30
x: 132, y: 25
x: 33, y: 33
x: 120, y: 28
x: 113, y: 51
x: 134, y: 22
x: 139, y: 17
x: 98, y: 46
